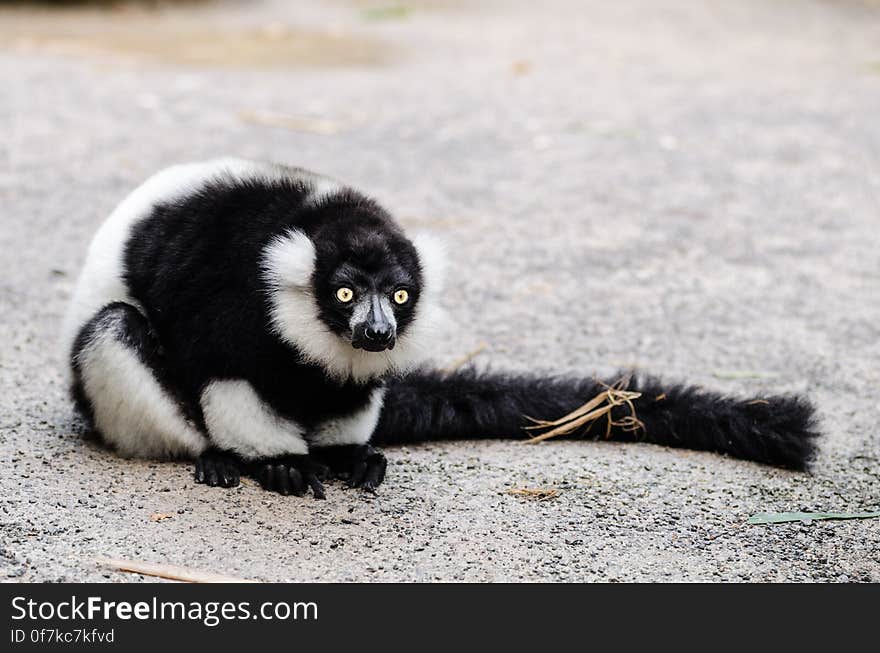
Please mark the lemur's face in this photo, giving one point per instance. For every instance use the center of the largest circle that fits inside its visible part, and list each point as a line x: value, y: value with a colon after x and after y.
x: 367, y: 286
x: 355, y: 296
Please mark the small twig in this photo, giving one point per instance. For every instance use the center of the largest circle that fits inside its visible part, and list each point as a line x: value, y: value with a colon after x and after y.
x: 539, y: 493
x: 161, y: 516
x: 171, y: 572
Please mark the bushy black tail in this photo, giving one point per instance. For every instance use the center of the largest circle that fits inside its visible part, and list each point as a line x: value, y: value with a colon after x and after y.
x: 430, y: 405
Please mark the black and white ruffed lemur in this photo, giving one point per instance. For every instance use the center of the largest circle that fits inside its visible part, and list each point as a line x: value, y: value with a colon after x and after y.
x: 269, y: 321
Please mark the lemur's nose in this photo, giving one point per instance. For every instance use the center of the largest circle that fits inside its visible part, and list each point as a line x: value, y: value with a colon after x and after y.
x: 379, y: 333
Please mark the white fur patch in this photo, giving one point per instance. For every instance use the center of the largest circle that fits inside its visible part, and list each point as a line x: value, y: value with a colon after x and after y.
x: 289, y: 261
x: 295, y: 317
x: 353, y: 429
x: 132, y: 411
x: 238, y: 420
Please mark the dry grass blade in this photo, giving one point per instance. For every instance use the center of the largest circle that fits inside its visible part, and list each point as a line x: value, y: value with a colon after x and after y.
x: 570, y: 426
x: 171, y: 572
x: 539, y: 493
x: 587, y: 415
x: 587, y: 408
x: 161, y: 516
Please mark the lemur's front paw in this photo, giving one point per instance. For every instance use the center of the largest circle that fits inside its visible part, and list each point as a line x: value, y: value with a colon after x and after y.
x: 290, y: 475
x: 218, y: 468
x: 360, y: 464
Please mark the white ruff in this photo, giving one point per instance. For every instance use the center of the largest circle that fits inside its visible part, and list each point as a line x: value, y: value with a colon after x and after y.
x: 238, y: 420
x: 354, y: 429
x: 132, y: 411
x: 288, y: 264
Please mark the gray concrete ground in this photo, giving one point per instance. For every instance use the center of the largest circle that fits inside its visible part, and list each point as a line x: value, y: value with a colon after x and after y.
x: 690, y: 187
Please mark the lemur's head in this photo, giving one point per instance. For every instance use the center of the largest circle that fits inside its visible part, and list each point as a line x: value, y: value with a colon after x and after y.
x: 350, y: 291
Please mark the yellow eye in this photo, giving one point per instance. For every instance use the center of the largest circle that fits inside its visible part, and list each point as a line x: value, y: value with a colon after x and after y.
x: 401, y: 296
x: 345, y: 295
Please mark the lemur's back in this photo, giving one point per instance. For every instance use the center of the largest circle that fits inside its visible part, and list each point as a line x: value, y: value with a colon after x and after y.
x: 102, y: 279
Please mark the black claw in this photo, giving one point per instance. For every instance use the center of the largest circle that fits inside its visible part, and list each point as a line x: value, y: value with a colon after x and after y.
x: 311, y: 480
x: 233, y: 476
x: 228, y: 476
x: 317, y: 487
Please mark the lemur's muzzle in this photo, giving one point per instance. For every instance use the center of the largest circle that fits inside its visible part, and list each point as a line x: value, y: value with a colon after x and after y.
x: 377, y: 332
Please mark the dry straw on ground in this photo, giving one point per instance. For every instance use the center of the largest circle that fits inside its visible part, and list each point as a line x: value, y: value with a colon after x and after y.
x: 539, y: 493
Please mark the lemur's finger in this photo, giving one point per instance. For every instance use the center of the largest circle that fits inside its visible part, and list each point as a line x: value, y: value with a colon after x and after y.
x: 264, y: 477
x: 316, y: 485
x: 234, y: 474
x: 281, y: 479
x: 200, y: 471
x: 270, y: 478
x: 211, y: 475
x: 228, y: 474
x: 297, y: 484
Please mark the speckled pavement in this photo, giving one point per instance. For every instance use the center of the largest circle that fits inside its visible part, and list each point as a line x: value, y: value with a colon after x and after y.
x: 692, y: 188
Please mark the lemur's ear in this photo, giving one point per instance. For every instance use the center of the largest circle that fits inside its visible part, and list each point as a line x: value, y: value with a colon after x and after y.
x: 289, y: 261
x: 432, y: 260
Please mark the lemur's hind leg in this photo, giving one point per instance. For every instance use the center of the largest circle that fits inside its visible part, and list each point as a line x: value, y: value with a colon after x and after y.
x: 123, y: 387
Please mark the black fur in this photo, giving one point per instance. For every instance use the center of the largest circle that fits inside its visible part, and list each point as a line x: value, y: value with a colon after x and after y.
x: 430, y: 405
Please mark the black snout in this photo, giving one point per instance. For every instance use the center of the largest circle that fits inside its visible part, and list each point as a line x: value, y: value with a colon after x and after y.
x: 380, y: 333
x: 377, y: 332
